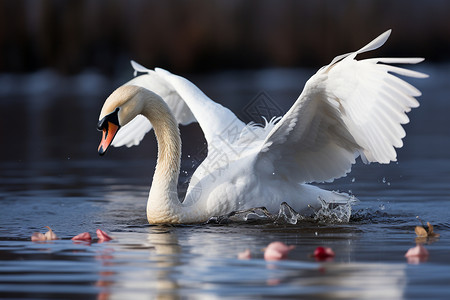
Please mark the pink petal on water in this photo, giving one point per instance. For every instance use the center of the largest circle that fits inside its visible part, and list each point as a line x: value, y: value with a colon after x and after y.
x: 85, y: 236
x: 38, y: 237
x: 415, y: 260
x: 245, y: 254
x: 418, y: 250
x: 323, y: 253
x: 277, y: 251
x: 50, y: 235
x: 103, y: 236
x: 417, y: 254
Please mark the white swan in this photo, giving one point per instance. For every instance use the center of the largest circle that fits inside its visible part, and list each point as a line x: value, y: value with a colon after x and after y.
x: 349, y: 108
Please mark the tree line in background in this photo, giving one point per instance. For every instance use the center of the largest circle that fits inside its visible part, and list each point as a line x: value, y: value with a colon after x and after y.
x: 184, y: 36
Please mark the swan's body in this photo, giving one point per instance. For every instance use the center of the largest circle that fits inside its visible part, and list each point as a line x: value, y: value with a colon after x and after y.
x: 347, y: 109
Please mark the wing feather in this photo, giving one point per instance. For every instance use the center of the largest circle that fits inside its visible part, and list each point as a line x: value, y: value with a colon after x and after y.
x: 132, y: 133
x: 188, y: 104
x: 348, y: 108
x: 219, y: 124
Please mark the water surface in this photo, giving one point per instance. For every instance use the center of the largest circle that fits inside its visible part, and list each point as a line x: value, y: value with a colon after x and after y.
x: 51, y: 175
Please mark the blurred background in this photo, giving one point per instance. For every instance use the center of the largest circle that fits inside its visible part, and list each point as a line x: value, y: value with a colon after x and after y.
x: 70, y: 36
x: 60, y: 59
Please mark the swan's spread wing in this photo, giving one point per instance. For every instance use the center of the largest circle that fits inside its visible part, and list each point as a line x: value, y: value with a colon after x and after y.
x: 188, y: 104
x: 346, y: 109
x: 219, y: 124
x: 132, y: 133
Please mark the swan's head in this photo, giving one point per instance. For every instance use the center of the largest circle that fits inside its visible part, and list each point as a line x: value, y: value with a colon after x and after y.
x: 122, y: 106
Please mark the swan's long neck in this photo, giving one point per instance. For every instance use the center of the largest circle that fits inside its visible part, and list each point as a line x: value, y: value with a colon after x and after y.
x: 163, y: 205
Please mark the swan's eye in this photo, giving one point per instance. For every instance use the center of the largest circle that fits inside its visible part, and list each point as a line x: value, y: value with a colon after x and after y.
x: 112, y: 117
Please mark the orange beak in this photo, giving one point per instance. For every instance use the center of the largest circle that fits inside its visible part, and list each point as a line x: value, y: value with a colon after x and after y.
x: 109, y: 132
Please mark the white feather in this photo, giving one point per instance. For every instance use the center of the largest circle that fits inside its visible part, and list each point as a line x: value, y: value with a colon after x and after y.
x: 132, y: 133
x: 349, y: 108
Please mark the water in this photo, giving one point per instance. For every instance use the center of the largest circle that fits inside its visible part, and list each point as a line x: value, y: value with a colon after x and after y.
x: 50, y: 175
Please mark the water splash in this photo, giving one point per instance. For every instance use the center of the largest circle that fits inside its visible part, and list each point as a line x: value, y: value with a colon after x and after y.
x: 288, y: 215
x: 329, y: 212
x: 258, y: 214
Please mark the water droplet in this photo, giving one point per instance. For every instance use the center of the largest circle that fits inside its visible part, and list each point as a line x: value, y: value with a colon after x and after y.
x: 353, y: 179
x: 383, y: 180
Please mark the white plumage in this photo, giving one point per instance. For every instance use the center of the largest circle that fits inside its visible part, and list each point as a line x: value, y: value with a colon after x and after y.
x: 349, y: 108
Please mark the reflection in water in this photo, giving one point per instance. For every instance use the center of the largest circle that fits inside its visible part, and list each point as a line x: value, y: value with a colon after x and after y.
x: 106, y: 258
x: 170, y: 267
x: 148, y: 275
x: 341, y: 281
x: 364, y: 281
x: 167, y: 257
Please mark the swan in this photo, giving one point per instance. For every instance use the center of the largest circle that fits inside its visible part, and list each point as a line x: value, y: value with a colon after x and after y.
x: 350, y: 108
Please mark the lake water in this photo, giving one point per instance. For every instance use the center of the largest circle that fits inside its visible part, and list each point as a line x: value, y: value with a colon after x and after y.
x: 51, y: 175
